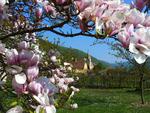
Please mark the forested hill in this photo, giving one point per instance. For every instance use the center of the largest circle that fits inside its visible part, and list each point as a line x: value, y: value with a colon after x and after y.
x: 70, y: 53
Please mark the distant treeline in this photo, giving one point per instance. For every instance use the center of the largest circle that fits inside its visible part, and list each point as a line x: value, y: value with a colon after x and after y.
x: 112, y: 81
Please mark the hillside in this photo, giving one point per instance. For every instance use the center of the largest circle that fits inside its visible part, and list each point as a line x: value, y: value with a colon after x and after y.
x: 70, y: 53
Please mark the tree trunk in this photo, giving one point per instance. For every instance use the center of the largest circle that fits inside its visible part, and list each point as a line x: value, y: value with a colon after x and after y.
x: 142, y: 88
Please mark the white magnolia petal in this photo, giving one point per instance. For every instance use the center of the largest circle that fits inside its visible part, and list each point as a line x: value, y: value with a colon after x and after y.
x: 133, y: 49
x: 53, y: 59
x: 37, y: 99
x: 38, y: 109
x: 147, y: 52
x: 50, y: 109
x: 17, y: 109
x: 140, y: 58
x: 144, y: 49
x: 98, y: 26
x: 20, y: 78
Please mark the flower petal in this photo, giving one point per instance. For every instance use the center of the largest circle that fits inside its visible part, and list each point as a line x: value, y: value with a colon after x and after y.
x: 50, y: 109
x: 133, y: 49
x: 140, y: 58
x: 20, y: 78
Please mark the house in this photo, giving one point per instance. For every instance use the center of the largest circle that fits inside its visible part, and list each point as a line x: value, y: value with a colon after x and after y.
x: 83, y: 65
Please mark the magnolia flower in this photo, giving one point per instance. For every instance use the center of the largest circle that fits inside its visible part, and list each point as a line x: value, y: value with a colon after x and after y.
x: 42, y: 84
x: 146, y: 23
x: 23, y: 45
x: 35, y: 87
x: 113, y: 3
x: 74, y: 106
x: 135, y: 17
x: 14, y: 69
x: 39, y: 13
x: 49, y: 9
x: 28, y: 57
x: 3, y: 2
x: 19, y: 88
x: 125, y: 35
x: 17, y: 109
x: 20, y: 78
x: 44, y: 102
x: 53, y: 59
x: 32, y: 73
x: 83, y: 4
x: 12, y: 56
x: 34, y: 60
x: 25, y: 56
x: 140, y: 45
x: 68, y: 80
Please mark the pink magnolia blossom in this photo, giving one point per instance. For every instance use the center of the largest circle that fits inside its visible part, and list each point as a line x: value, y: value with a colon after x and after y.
x: 32, y: 73
x: 83, y: 4
x: 135, y: 17
x: 25, y: 56
x: 35, y: 87
x: 12, y: 56
x: 140, y: 44
x: 3, y: 2
x: 146, y: 23
x: 125, y: 35
x: 49, y: 9
x: 44, y: 84
x: 39, y: 13
x: 14, y: 69
x: 19, y: 88
x: 23, y: 45
x: 28, y: 57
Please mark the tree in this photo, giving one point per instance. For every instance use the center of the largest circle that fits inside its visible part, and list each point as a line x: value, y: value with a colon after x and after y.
x: 124, y: 54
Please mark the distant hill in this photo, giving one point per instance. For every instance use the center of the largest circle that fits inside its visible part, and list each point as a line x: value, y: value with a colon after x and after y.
x: 70, y: 53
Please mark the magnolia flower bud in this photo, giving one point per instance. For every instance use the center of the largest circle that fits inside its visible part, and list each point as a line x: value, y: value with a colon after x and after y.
x: 49, y: 9
x: 39, y: 12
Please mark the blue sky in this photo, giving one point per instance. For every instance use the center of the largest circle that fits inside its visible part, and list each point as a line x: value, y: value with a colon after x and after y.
x: 99, y: 51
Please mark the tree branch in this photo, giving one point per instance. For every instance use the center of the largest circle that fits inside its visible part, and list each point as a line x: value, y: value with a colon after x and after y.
x: 34, y: 30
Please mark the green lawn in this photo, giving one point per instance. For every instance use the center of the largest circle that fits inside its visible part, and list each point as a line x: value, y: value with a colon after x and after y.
x: 109, y: 101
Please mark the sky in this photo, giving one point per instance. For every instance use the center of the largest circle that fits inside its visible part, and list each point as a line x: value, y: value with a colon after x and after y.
x: 99, y: 51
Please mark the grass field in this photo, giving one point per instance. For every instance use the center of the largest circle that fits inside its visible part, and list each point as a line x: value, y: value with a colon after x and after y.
x: 109, y: 101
